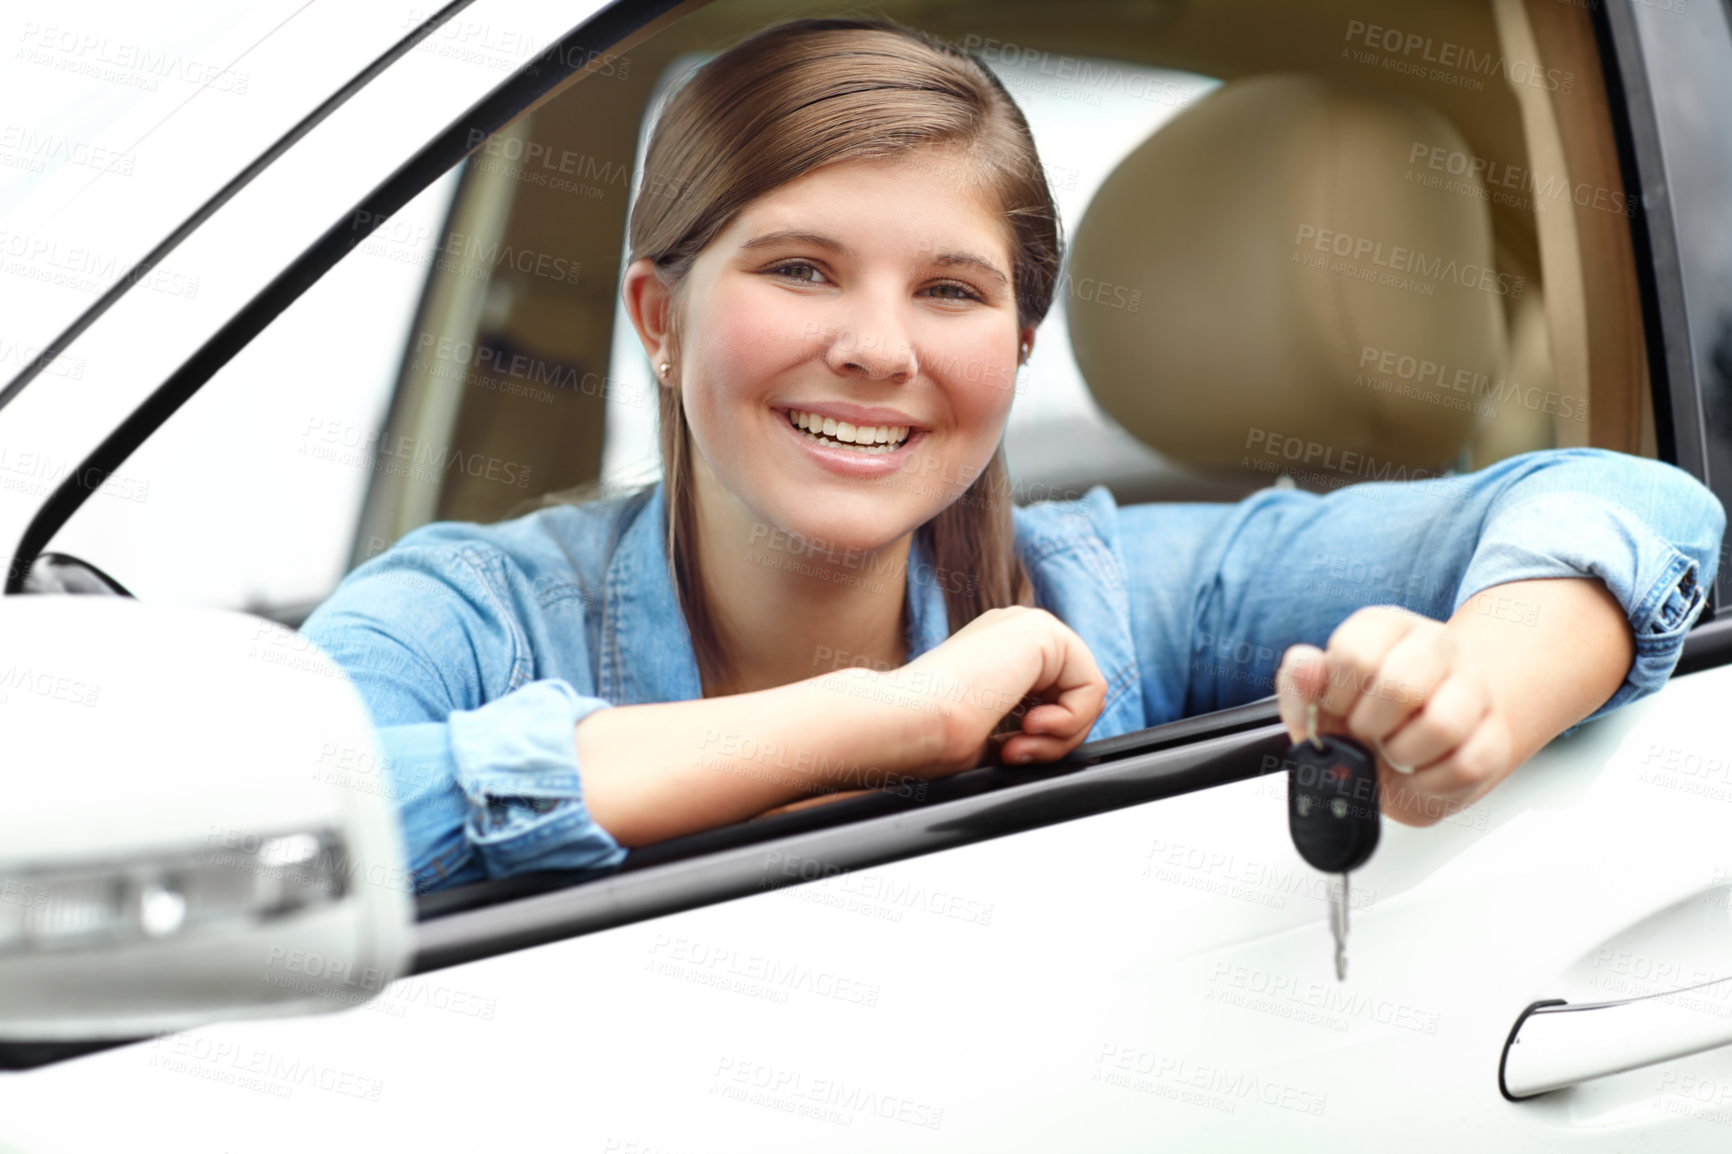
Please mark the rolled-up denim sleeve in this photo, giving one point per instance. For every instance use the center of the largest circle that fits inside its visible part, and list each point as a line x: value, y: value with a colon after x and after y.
x: 1648, y: 530
x: 480, y: 762
x: 1285, y: 566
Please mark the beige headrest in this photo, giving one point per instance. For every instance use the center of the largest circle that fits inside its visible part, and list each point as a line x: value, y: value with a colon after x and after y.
x: 1307, y: 273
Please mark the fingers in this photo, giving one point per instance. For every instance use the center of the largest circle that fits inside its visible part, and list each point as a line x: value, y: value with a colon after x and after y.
x: 1049, y: 731
x: 1397, y: 687
x: 1398, y: 682
x: 1069, y: 681
x: 1383, y: 663
x: 1463, y: 776
x: 1071, y: 708
x: 1356, y: 653
x: 1299, y: 680
x: 1457, y: 747
x: 1017, y: 667
x: 1450, y: 717
x: 1072, y: 690
x: 1067, y: 665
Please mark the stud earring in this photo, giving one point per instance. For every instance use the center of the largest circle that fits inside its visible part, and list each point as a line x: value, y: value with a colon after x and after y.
x: 663, y: 368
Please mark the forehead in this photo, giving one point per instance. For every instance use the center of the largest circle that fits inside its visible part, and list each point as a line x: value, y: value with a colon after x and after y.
x: 927, y: 196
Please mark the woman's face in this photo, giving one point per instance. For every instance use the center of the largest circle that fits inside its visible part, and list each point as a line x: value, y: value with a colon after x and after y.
x: 869, y: 300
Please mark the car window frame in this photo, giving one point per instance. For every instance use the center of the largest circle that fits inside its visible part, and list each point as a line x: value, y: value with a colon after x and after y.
x: 1680, y: 425
x: 489, y: 918
x: 1661, y: 257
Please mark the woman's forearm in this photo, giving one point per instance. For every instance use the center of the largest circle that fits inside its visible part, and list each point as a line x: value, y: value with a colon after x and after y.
x: 1553, y: 650
x: 651, y: 772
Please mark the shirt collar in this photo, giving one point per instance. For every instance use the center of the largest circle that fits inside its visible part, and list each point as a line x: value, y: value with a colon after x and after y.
x: 646, y: 650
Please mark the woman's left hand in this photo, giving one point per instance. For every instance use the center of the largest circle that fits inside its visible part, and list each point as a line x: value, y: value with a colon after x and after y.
x: 1400, y: 684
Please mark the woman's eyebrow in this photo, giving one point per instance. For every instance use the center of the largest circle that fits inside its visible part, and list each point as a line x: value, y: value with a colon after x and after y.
x: 968, y: 258
x: 790, y: 235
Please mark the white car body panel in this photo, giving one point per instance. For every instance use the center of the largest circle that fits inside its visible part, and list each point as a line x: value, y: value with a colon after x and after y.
x: 1157, y: 977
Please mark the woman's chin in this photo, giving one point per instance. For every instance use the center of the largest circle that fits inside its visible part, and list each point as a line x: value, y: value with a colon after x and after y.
x: 864, y: 529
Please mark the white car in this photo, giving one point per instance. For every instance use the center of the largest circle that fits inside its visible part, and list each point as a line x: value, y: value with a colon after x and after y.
x: 306, y: 277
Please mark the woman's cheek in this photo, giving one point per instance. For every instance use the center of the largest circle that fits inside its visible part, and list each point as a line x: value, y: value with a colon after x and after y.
x: 750, y: 343
x: 982, y: 384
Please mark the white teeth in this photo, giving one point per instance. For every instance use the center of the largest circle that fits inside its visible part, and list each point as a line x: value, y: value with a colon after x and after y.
x: 868, y: 438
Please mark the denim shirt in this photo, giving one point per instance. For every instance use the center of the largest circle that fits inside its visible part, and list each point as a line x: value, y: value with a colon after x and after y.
x: 478, y: 648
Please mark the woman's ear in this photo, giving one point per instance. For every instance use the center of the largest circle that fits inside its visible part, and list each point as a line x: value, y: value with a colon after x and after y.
x: 649, y: 302
x: 1025, y: 340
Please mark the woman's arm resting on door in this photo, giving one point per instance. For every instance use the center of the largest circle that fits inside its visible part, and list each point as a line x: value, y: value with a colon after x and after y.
x: 1289, y: 566
x: 657, y: 771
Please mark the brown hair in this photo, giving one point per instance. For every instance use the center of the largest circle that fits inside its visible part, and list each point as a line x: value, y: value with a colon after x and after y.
x: 791, y: 99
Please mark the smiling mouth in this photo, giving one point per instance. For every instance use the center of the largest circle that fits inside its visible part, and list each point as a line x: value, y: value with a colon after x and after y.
x: 842, y: 435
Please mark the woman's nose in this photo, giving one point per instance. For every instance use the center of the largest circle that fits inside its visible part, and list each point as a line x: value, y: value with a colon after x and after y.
x: 877, y: 352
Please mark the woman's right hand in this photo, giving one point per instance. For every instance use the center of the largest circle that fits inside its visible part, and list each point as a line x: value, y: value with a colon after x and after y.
x: 996, y: 664
x: 664, y: 769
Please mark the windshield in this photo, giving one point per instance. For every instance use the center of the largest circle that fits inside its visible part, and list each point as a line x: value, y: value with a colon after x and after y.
x: 85, y: 79
x: 121, y: 120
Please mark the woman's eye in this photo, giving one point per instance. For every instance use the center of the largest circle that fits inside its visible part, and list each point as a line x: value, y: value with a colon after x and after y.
x: 801, y: 271
x: 951, y: 291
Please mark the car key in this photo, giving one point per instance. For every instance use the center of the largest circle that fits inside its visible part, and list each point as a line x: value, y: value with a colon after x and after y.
x: 1333, y: 813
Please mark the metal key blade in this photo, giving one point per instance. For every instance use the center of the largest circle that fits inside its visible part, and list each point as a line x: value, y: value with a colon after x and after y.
x: 1338, y: 927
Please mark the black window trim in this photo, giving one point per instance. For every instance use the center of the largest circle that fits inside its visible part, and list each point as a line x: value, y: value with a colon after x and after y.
x: 1653, y: 232
x: 852, y: 834
x: 1680, y: 432
x: 899, y: 800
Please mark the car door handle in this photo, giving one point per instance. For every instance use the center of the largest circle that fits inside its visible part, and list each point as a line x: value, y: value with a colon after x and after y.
x: 1556, y: 1044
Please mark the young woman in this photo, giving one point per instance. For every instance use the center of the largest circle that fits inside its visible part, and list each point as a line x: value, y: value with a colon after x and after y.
x: 830, y: 588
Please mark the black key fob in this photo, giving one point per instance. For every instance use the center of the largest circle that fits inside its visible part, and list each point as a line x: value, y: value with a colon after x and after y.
x: 1332, y: 802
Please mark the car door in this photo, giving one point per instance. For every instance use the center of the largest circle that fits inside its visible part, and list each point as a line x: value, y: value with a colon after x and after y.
x: 1120, y: 953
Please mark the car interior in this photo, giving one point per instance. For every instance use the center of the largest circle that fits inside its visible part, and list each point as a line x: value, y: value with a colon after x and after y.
x: 1319, y: 250
x: 1483, y: 195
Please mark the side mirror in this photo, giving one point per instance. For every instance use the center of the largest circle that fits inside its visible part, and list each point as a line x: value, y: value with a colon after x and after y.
x: 181, y: 839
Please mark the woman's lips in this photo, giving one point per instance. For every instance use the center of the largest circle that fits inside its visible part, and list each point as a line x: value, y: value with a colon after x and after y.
x: 836, y: 457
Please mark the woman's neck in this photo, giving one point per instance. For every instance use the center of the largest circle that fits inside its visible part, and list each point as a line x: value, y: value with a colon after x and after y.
x: 784, y: 610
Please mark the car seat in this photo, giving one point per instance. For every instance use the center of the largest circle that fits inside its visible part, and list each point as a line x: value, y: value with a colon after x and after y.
x: 1313, y: 301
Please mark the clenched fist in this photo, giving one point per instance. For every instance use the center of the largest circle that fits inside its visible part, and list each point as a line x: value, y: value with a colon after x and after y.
x: 1401, y: 684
